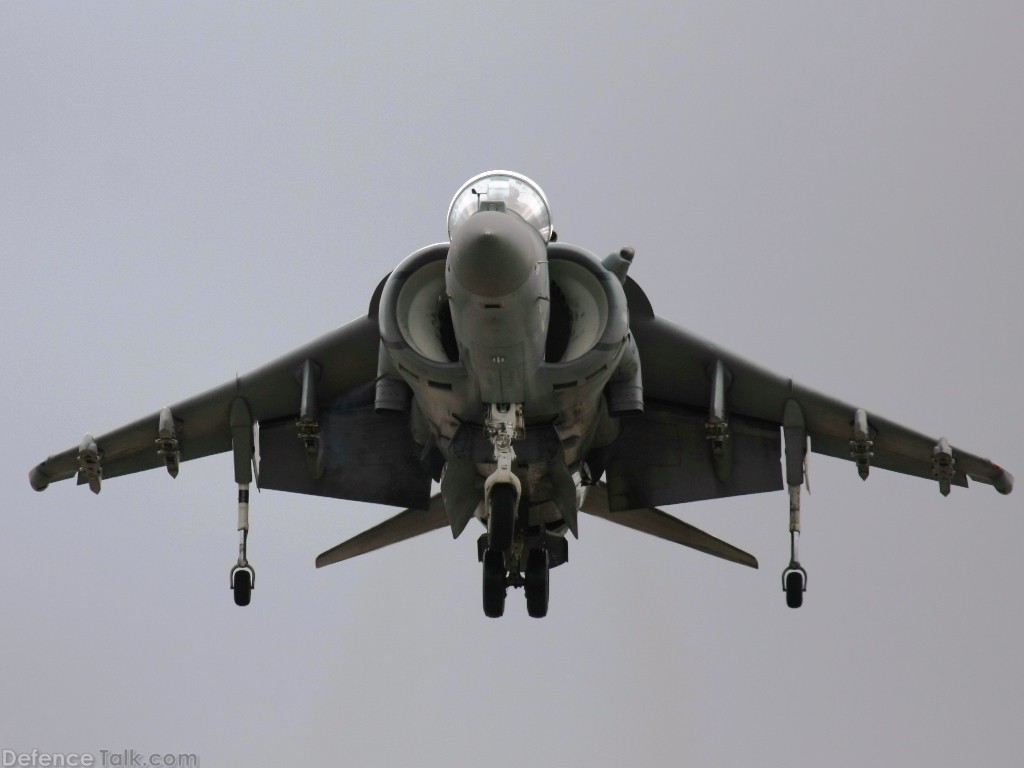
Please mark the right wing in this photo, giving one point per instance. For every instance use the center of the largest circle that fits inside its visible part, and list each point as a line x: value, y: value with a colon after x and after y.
x: 346, y: 363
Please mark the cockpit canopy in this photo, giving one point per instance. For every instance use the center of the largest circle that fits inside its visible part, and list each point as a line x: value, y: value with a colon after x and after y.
x: 501, y: 191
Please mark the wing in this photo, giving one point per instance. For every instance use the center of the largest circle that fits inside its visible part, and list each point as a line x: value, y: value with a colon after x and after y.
x: 668, y: 456
x: 344, y: 363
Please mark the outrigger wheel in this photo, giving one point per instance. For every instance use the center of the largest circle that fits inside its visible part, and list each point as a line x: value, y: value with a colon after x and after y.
x: 241, y: 584
x: 794, y: 583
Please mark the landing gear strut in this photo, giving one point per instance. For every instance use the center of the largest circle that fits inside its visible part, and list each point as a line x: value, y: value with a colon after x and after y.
x: 503, y: 423
x: 794, y: 578
x: 243, y: 575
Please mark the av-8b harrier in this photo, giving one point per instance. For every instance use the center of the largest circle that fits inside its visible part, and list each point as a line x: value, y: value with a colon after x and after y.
x: 533, y: 381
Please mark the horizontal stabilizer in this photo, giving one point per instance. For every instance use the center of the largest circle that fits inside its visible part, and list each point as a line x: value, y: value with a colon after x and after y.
x: 404, y: 525
x: 663, y: 525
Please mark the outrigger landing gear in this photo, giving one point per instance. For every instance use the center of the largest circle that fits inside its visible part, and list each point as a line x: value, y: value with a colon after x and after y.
x: 794, y: 578
x: 243, y: 575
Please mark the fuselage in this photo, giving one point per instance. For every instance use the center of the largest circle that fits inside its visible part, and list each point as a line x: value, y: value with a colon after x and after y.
x: 500, y: 317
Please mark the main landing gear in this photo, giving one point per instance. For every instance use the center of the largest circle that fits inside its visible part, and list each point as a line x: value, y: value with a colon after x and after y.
x: 505, y: 557
x: 525, y: 562
x: 498, y: 578
x: 511, y: 555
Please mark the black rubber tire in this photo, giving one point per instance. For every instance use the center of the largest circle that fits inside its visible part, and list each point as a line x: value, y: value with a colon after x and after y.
x: 494, y: 583
x: 794, y: 589
x: 242, y: 587
x: 537, y: 583
x: 501, y: 525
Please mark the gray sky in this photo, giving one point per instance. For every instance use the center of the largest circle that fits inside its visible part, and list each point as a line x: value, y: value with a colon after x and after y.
x: 188, y: 191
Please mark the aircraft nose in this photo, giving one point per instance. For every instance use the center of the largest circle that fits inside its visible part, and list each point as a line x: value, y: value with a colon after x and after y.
x: 493, y: 253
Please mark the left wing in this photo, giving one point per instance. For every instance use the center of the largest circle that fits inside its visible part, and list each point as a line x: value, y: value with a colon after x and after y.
x: 681, y: 372
x: 345, y: 364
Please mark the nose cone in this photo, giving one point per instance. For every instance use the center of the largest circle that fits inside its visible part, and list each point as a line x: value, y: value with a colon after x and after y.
x: 493, y: 253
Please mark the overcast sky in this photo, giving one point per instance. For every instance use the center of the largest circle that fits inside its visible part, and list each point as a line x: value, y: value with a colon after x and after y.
x: 188, y: 190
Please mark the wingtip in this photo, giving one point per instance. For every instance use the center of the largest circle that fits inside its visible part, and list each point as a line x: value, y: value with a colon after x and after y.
x: 38, y: 478
x: 1003, y: 482
x: 331, y: 556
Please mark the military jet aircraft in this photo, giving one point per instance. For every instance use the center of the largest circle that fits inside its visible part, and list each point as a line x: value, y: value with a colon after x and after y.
x: 532, y: 381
